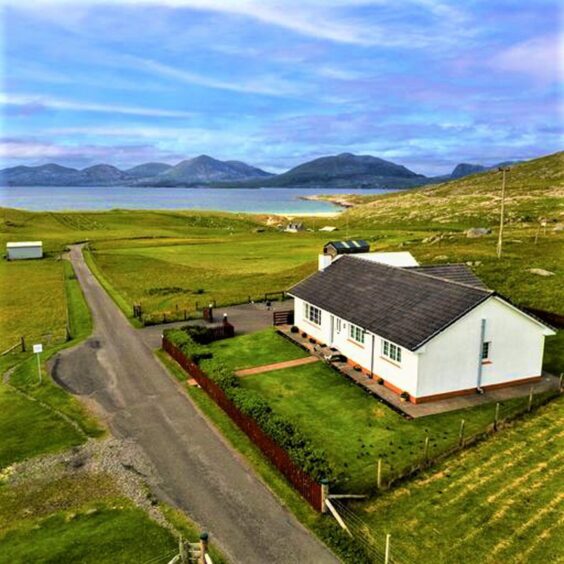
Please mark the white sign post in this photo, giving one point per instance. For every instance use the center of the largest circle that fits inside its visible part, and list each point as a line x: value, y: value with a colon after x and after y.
x: 38, y: 349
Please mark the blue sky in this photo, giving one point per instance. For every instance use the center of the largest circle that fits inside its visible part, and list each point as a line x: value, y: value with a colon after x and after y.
x: 425, y: 83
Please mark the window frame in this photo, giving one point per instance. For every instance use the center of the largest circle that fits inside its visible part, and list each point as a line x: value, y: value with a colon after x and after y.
x: 312, y: 314
x: 391, y: 351
x: 487, y: 349
x: 356, y: 333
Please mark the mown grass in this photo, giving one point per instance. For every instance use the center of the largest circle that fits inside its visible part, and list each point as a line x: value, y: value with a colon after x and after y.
x: 255, y: 349
x: 28, y: 429
x: 32, y: 302
x: 81, y: 518
x: 355, y: 429
x: 501, y: 501
x: 37, y: 418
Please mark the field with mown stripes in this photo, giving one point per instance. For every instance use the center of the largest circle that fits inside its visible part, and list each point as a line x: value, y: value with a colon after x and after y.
x: 502, y: 501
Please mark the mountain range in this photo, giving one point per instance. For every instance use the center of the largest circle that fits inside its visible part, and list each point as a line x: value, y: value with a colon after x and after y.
x: 338, y: 171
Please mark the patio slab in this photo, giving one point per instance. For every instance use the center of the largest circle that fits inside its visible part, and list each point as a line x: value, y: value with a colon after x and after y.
x: 408, y: 409
x: 277, y: 366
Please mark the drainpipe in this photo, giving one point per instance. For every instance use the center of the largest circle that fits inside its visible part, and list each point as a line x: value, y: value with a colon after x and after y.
x: 372, y: 359
x: 482, y: 338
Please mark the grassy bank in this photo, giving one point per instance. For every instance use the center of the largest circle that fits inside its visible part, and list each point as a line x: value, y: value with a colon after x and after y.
x: 501, y: 501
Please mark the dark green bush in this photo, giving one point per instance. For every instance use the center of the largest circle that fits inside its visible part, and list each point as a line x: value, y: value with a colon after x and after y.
x: 303, y: 453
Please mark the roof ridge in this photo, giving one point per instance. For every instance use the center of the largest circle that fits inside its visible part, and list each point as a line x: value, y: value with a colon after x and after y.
x: 416, y: 273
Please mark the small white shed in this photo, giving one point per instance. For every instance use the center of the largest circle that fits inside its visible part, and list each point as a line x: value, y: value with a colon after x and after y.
x: 24, y: 250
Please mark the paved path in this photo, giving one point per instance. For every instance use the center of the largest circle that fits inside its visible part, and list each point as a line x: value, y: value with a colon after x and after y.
x: 276, y: 366
x: 194, y: 467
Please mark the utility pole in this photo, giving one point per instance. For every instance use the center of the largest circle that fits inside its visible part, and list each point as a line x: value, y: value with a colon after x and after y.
x: 503, y: 170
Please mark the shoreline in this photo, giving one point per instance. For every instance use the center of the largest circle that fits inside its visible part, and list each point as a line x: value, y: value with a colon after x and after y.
x: 337, y: 199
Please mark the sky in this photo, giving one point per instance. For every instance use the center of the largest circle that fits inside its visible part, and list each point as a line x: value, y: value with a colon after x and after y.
x: 424, y: 83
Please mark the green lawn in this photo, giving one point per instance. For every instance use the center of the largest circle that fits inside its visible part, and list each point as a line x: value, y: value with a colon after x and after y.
x: 81, y: 518
x: 255, y: 349
x: 501, y: 501
x: 29, y: 429
x: 32, y: 302
x: 80, y: 320
x: 355, y: 429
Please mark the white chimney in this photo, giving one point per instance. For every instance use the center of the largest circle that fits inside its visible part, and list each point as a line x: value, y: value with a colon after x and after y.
x: 324, y: 261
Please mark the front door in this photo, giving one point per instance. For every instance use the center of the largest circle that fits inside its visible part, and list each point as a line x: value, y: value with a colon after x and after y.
x: 332, y: 330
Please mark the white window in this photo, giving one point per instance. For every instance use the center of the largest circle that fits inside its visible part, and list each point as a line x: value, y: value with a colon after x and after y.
x: 391, y: 351
x: 486, y: 350
x: 312, y: 314
x: 356, y: 333
x: 338, y: 324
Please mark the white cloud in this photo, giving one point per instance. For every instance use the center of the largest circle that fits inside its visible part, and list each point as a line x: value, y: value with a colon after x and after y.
x: 542, y: 58
x: 320, y: 19
x: 73, y: 105
x: 271, y: 86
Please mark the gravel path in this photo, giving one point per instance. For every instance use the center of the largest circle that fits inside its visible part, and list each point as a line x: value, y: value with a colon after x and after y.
x: 193, y: 468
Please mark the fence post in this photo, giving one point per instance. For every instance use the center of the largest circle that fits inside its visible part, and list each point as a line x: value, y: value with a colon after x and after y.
x: 182, y: 551
x: 324, y: 495
x: 461, y: 434
x: 387, y: 553
x: 530, y: 405
x: 379, y: 474
x: 496, y: 416
x: 426, y: 451
x: 561, y: 380
x: 185, y: 316
x: 22, y: 340
x: 203, y: 547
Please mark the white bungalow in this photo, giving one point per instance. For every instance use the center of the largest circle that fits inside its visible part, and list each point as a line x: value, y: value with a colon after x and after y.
x: 429, y: 331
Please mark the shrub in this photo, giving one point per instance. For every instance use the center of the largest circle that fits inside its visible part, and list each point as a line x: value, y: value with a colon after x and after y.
x: 404, y: 395
x: 304, y: 334
x: 312, y: 340
x: 281, y: 430
x: 294, y: 329
x: 381, y: 381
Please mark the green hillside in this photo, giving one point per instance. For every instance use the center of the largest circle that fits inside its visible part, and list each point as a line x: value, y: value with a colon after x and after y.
x: 535, y: 192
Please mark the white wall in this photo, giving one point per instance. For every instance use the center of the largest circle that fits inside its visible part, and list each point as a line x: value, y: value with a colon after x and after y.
x: 449, y: 362
x: 18, y: 253
x: 403, y: 376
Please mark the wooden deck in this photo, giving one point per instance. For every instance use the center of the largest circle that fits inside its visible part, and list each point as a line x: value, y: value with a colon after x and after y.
x: 409, y: 409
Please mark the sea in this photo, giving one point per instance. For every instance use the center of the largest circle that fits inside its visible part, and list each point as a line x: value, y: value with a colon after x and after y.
x: 287, y: 201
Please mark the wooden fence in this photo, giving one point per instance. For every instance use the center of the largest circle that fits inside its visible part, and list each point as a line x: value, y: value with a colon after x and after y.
x: 309, y: 489
x: 285, y: 317
x: 223, y: 331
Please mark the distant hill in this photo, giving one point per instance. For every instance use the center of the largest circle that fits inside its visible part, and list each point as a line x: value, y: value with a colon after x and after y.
x: 465, y: 169
x: 147, y: 170
x: 196, y: 171
x: 205, y: 170
x: 348, y: 171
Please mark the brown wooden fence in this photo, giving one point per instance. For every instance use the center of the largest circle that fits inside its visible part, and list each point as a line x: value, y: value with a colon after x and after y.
x: 285, y: 317
x: 223, y: 331
x: 300, y: 480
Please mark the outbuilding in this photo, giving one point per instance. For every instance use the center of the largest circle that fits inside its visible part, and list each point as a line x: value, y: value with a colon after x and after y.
x: 24, y: 250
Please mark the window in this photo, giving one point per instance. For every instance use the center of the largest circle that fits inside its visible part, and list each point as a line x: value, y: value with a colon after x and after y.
x: 338, y: 324
x: 391, y: 351
x: 313, y: 314
x: 486, y: 350
x: 356, y: 333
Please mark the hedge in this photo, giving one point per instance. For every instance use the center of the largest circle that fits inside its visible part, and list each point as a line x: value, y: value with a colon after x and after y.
x: 284, y: 432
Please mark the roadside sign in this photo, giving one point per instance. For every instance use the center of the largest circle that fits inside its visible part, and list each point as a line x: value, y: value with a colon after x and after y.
x: 38, y: 348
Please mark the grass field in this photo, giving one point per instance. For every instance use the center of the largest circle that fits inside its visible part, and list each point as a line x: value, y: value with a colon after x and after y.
x: 501, y: 501
x: 82, y: 519
x: 256, y: 349
x: 353, y: 428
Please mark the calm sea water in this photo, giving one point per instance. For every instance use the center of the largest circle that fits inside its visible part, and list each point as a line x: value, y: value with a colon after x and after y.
x: 253, y: 200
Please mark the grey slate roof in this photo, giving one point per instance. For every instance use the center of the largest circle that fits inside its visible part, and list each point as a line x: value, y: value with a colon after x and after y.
x: 455, y: 272
x: 348, y: 247
x: 402, y: 305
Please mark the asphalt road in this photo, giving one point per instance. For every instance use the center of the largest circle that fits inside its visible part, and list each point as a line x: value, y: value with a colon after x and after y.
x: 195, y: 469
